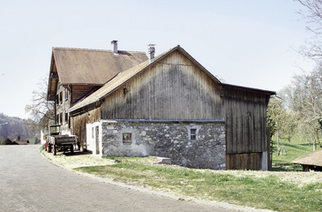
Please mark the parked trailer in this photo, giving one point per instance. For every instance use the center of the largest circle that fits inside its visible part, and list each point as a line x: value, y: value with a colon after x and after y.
x: 56, y: 142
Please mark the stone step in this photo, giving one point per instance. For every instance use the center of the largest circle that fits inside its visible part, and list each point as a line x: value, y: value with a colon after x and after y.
x: 163, y: 160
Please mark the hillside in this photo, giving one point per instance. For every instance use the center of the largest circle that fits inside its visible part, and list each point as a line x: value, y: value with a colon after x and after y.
x: 13, y: 127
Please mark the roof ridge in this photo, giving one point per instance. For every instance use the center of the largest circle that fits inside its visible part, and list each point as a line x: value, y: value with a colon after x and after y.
x: 88, y: 49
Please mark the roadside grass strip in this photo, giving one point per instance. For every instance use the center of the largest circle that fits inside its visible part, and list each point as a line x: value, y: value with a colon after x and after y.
x: 257, y: 192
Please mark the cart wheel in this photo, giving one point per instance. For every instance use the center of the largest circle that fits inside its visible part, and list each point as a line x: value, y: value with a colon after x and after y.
x: 72, y: 148
x: 55, y: 150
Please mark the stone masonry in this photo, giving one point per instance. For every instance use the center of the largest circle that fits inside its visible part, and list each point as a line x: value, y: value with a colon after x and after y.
x: 190, y: 144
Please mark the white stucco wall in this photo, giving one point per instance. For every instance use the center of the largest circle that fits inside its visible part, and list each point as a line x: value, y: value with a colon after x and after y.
x: 91, y: 136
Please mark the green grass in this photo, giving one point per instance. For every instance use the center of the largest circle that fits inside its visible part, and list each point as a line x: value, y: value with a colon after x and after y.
x: 294, y: 149
x: 267, y: 192
x: 258, y: 192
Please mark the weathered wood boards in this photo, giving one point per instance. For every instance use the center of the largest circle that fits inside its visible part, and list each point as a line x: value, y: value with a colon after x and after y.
x: 245, y: 116
x: 173, y: 89
x: 244, y: 161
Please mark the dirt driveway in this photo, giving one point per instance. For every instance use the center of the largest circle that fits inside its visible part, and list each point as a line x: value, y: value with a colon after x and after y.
x: 29, y: 183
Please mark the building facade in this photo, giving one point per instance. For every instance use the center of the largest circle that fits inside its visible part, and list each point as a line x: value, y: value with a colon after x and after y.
x: 171, y: 106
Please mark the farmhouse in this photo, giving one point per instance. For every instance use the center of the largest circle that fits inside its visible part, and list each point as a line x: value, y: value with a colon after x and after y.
x: 121, y: 103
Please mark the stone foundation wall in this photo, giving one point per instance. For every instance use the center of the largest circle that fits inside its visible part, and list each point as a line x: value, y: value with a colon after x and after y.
x: 176, y: 140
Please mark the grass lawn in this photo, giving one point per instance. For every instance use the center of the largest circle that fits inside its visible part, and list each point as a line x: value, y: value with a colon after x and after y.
x: 292, y: 190
x: 267, y: 192
x: 290, y: 151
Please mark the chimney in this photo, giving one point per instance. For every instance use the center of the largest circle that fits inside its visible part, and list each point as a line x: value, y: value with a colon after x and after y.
x: 151, y: 51
x: 114, y: 44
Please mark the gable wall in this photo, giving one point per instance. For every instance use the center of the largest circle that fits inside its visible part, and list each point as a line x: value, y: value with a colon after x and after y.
x: 173, y: 89
x: 79, y: 91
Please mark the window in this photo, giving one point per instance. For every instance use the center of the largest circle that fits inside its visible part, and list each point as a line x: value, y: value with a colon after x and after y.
x: 193, y: 134
x: 60, y: 118
x: 66, y: 117
x: 61, y: 97
x: 57, y: 118
x: 127, y: 138
x: 66, y: 94
x: 92, y: 132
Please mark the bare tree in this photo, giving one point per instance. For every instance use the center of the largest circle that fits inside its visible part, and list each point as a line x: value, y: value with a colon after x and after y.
x: 305, y: 98
x: 313, y: 17
x: 41, y: 111
x: 281, y: 121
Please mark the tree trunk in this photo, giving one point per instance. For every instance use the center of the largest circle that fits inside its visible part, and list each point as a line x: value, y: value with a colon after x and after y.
x: 316, y: 140
x: 278, y: 142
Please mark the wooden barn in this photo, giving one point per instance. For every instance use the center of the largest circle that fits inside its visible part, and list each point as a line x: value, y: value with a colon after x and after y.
x: 168, y: 106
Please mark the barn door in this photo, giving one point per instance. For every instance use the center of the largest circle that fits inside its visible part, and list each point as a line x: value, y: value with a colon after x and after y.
x: 97, y: 141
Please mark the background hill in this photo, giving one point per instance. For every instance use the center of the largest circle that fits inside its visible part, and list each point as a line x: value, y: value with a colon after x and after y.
x: 13, y: 127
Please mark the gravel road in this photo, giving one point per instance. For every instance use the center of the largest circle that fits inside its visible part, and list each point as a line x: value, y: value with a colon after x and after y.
x: 29, y: 183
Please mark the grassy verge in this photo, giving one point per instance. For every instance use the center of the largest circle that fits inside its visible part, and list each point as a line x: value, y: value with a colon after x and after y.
x: 264, y: 192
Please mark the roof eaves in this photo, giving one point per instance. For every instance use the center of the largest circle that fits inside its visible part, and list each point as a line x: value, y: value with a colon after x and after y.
x: 249, y: 88
x: 156, y: 60
x: 117, y: 87
x: 49, y: 78
x: 82, y: 106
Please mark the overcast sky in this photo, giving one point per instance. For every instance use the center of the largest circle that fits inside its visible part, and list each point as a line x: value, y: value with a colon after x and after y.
x: 251, y: 43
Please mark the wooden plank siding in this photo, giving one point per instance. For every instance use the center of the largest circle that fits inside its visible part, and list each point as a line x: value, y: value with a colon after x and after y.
x: 79, y: 124
x: 245, y: 161
x: 80, y: 91
x: 173, y: 89
x: 245, y: 121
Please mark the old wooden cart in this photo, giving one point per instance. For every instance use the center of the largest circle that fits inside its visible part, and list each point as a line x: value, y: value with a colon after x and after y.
x: 57, y: 142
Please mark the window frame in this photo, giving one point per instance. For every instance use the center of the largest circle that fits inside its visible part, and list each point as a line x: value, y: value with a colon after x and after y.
x: 193, y: 134
x: 127, y: 137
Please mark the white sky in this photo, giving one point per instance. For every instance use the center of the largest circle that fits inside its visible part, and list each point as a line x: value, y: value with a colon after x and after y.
x: 251, y: 43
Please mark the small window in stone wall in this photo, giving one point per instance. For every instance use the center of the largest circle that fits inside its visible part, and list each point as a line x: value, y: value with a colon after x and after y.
x: 193, y: 134
x: 127, y: 138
